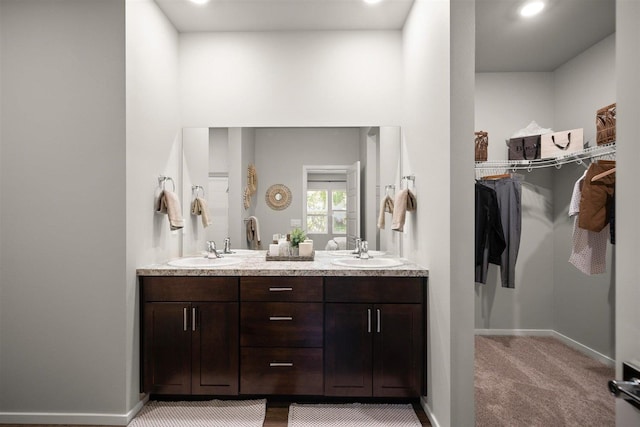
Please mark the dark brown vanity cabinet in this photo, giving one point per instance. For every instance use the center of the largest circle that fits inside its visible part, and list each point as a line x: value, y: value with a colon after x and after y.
x: 281, y: 335
x: 374, y: 336
x: 190, y: 335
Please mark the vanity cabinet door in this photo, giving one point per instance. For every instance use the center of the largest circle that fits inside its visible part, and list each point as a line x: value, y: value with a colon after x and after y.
x: 397, y: 350
x: 373, y: 350
x: 214, y: 357
x: 167, y: 348
x: 348, y: 349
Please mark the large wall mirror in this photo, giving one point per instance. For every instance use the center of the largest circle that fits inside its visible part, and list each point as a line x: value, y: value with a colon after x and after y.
x: 332, y: 177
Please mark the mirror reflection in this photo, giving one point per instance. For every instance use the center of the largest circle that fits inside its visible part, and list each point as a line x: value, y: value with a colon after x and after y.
x: 325, y: 180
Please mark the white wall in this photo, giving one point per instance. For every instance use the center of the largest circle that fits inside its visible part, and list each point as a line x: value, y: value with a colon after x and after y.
x: 627, y: 197
x: 153, y: 149
x: 508, y: 102
x: 325, y: 78
x: 63, y: 312
x: 505, y: 103
x: 584, y: 306
x: 437, y: 119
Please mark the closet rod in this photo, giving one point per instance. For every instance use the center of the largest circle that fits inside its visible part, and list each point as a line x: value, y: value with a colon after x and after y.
x: 577, y: 157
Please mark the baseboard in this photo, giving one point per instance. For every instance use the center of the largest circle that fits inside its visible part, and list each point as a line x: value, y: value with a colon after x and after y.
x: 516, y: 332
x: 427, y: 410
x: 550, y: 333
x: 584, y: 349
x: 71, y: 418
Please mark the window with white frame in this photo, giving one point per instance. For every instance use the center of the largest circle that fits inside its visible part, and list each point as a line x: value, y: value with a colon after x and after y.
x: 327, y: 207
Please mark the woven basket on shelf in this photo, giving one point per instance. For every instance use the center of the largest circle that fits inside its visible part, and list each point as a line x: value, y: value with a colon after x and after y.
x: 606, y: 124
x: 482, y: 146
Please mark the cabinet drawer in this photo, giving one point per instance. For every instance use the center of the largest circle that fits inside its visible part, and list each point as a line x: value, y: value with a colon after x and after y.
x: 186, y: 288
x: 288, y: 371
x: 281, y: 324
x: 303, y: 289
x: 374, y: 289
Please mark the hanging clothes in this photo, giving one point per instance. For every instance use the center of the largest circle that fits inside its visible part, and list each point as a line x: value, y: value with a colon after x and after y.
x: 509, y: 195
x: 489, y: 235
x: 589, y: 249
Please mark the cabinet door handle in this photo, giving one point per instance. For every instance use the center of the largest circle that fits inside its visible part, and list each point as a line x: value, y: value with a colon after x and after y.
x: 280, y: 289
x: 280, y: 365
x: 378, y: 326
x: 185, y: 320
x: 368, y: 320
x: 276, y: 318
x: 193, y: 319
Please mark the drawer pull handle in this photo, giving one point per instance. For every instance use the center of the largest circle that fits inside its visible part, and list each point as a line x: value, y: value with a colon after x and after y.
x: 275, y: 318
x: 280, y: 289
x: 184, y: 319
x: 378, y: 326
x: 193, y: 319
x: 280, y: 364
x: 369, y: 320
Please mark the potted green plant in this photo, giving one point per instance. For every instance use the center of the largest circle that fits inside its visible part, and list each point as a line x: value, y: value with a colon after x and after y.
x: 297, y: 236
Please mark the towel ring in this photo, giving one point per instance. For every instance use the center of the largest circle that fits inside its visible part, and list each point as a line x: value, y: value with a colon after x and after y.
x: 163, y: 179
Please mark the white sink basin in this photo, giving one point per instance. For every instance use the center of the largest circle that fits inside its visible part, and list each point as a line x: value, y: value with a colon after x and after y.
x: 202, y: 262
x: 244, y: 252
x: 349, y: 252
x: 367, y: 263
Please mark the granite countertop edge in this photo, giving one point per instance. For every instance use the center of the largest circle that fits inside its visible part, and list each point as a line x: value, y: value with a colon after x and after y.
x: 260, y: 267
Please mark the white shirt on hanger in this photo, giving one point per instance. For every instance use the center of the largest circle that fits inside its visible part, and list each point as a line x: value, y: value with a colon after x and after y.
x: 589, y: 250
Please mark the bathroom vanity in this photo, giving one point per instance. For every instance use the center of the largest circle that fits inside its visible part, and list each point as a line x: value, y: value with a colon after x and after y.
x: 283, y: 328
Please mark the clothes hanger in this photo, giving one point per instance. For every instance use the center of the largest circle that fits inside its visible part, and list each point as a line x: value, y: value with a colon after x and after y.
x: 603, y: 174
x: 495, y: 177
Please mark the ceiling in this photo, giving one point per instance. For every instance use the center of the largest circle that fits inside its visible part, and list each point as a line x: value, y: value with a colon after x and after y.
x: 504, y: 41
x: 285, y: 15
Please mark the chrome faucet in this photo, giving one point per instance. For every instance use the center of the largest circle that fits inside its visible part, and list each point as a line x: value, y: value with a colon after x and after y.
x: 227, y: 246
x: 364, y: 250
x: 356, y: 250
x: 211, y: 249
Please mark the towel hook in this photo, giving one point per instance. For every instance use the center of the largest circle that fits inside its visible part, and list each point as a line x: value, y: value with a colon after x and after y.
x: 163, y: 179
x: 408, y: 178
x: 195, y: 189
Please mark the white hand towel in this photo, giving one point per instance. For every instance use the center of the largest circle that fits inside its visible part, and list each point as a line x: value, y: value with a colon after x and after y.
x: 170, y: 205
x: 199, y: 207
x: 253, y: 232
x: 386, y: 206
x: 405, y: 202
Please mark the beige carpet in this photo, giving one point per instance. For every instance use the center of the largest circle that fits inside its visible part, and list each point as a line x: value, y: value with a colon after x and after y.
x: 353, y: 415
x: 212, y: 413
x: 539, y: 381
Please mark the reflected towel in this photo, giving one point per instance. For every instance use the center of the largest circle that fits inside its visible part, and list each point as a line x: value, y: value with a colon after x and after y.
x: 386, y: 206
x: 169, y: 204
x: 253, y: 233
x: 405, y: 202
x: 199, y: 207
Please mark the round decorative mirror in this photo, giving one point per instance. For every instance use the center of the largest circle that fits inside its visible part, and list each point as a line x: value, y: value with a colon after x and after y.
x: 278, y: 197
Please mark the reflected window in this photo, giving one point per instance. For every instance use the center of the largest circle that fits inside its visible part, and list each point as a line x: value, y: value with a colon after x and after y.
x: 327, y: 208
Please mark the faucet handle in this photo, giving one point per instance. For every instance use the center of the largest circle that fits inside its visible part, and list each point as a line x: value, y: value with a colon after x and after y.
x: 364, y: 249
x: 356, y: 250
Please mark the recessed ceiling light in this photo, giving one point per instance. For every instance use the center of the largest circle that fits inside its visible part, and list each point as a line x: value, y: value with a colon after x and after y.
x: 372, y: 1
x: 200, y: 1
x: 532, y: 8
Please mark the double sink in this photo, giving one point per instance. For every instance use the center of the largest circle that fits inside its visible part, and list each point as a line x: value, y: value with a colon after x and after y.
x: 339, y: 258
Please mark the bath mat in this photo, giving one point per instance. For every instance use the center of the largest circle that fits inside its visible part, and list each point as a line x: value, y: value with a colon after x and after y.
x: 353, y: 415
x: 212, y: 413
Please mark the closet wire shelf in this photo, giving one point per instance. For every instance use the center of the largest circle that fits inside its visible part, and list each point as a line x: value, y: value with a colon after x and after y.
x: 557, y: 162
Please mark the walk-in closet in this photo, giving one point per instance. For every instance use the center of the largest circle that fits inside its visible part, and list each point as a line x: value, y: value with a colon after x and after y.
x: 547, y: 298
